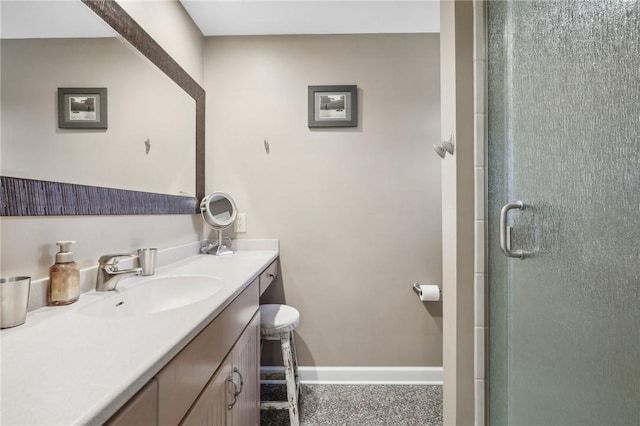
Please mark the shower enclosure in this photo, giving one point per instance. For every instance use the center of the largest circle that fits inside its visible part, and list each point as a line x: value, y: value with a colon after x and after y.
x: 564, y: 138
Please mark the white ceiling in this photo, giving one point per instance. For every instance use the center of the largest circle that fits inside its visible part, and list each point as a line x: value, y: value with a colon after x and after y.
x: 261, y: 17
x: 50, y: 19
x: 64, y: 18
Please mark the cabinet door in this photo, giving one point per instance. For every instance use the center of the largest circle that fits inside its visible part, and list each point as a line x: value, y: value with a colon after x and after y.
x: 219, y: 405
x: 211, y: 408
x: 246, y: 362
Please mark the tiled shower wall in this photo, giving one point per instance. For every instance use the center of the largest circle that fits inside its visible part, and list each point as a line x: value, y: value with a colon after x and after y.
x: 480, y: 215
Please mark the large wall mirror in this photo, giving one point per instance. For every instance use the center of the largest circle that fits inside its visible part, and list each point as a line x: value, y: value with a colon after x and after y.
x: 149, y: 159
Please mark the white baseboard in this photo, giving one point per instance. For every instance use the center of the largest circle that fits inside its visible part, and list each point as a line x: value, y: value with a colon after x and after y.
x: 363, y: 375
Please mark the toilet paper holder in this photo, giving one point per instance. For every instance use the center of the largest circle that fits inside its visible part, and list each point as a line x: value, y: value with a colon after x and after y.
x: 416, y: 289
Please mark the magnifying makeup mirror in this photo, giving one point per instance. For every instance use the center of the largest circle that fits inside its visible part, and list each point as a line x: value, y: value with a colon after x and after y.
x: 219, y: 212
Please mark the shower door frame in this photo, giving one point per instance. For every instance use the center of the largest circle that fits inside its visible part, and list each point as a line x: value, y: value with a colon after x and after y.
x: 480, y: 88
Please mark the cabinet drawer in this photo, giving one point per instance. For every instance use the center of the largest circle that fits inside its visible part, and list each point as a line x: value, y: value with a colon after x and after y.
x: 268, y: 276
x: 184, y: 377
x: 141, y: 410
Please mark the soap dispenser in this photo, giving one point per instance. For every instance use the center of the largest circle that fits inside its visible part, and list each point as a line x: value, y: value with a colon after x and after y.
x: 64, y: 277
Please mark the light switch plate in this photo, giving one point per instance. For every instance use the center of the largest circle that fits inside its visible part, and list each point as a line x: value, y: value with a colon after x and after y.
x: 241, y: 223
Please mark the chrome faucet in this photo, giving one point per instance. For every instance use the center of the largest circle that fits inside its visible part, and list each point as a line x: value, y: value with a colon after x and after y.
x: 108, y: 273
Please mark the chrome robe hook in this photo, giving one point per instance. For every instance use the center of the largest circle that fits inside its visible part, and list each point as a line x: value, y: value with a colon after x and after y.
x: 444, y: 147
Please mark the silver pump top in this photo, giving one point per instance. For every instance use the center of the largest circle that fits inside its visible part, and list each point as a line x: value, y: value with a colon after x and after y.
x: 64, y: 255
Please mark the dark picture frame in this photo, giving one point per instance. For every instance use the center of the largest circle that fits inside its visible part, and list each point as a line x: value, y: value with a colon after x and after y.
x: 333, y: 106
x: 82, y: 107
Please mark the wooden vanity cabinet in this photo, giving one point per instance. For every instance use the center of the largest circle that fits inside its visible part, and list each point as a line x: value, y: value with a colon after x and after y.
x: 232, y: 397
x: 195, y: 387
x: 246, y: 360
x: 182, y: 380
x: 212, y: 406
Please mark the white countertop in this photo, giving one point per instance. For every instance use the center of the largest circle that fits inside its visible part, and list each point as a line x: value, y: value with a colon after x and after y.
x: 63, y: 367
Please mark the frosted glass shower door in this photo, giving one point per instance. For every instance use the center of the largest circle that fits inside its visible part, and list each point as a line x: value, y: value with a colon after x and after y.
x: 564, y: 137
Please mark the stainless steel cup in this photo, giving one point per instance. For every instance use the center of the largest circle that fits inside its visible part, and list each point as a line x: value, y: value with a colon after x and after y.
x: 14, y: 298
x: 147, y: 260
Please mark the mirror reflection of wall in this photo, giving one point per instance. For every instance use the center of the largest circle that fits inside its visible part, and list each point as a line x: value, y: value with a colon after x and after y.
x: 221, y: 210
x: 149, y: 144
x: 218, y: 210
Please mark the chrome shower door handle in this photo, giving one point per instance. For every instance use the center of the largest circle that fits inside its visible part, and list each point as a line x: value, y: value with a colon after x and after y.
x: 505, y: 234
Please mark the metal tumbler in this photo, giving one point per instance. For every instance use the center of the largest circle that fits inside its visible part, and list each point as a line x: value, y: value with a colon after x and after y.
x: 14, y: 299
x: 147, y: 260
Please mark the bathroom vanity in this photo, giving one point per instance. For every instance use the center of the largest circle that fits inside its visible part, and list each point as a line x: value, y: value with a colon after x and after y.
x: 231, y: 395
x: 194, y: 362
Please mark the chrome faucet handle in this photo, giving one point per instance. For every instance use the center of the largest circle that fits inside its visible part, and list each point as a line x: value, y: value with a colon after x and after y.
x: 111, y: 260
x: 109, y: 275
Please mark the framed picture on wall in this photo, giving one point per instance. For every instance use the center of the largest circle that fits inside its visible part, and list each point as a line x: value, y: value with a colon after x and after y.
x: 333, y: 106
x: 82, y: 108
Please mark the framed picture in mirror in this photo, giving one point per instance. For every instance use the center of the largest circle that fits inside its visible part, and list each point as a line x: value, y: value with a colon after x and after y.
x: 82, y: 108
x: 333, y: 106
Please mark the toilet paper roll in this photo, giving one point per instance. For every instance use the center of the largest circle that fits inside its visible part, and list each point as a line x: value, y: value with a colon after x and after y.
x: 429, y: 293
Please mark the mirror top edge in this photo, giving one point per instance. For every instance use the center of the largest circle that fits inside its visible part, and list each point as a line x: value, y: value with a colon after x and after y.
x: 127, y: 27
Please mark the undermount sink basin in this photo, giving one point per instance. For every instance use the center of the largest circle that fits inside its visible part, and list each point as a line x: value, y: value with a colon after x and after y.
x: 155, y: 295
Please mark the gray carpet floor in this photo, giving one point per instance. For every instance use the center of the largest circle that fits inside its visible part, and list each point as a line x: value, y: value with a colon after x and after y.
x: 358, y: 405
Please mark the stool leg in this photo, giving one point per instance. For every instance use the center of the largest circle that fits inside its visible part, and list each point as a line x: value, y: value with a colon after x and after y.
x: 295, y: 364
x: 292, y: 393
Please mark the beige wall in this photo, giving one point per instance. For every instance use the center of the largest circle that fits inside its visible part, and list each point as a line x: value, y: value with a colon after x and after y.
x: 357, y: 211
x: 28, y: 244
x: 456, y: 55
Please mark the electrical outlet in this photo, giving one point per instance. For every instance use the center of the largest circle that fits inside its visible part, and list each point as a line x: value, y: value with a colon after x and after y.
x: 241, y: 223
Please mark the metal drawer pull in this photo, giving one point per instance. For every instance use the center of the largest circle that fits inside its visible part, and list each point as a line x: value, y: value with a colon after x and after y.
x: 235, y: 370
x: 236, y: 391
x: 505, y: 231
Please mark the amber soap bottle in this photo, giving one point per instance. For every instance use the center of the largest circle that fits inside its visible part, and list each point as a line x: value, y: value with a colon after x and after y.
x: 64, y: 277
